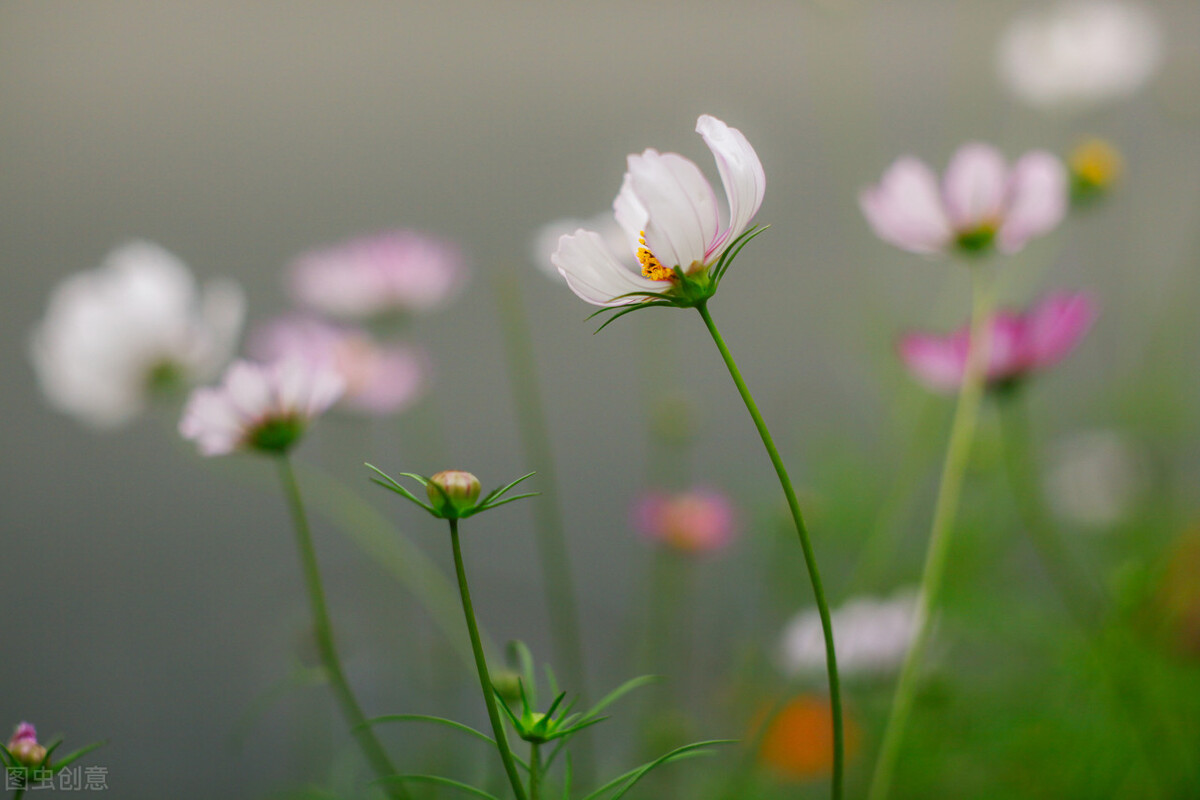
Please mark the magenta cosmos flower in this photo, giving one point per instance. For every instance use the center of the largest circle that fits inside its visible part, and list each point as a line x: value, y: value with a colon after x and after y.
x: 668, y: 212
x: 379, y: 379
x: 263, y: 407
x: 1020, y: 344
x: 398, y: 272
x: 694, y: 522
x: 981, y: 202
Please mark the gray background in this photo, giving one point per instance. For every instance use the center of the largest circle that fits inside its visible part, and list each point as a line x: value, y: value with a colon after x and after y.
x: 148, y: 596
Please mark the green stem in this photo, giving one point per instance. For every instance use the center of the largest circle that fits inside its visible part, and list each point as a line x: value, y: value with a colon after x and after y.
x: 323, y: 632
x: 561, y: 604
x: 810, y: 559
x: 958, y: 451
x: 535, y: 771
x: 485, y: 679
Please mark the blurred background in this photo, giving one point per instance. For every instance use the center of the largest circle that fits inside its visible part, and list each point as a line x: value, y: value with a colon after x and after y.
x: 152, y: 598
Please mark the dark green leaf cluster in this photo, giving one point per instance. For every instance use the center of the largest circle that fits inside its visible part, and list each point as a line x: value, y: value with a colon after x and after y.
x: 448, y: 509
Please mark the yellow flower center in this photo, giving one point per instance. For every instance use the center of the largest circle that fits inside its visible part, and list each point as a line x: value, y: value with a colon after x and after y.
x: 652, y: 268
x: 1096, y: 162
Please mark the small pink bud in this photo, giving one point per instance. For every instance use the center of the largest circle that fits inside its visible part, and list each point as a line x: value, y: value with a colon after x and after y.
x: 24, y: 746
x: 461, y: 490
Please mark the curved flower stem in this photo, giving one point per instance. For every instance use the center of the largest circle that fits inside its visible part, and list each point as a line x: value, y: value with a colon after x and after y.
x: 323, y: 631
x: 485, y: 679
x: 810, y: 559
x: 958, y: 451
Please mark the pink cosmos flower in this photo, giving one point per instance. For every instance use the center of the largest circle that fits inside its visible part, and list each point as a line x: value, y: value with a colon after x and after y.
x: 379, y: 379
x: 1020, y: 343
x: 668, y: 212
x: 693, y: 522
x: 263, y: 407
x: 394, y: 272
x: 981, y: 202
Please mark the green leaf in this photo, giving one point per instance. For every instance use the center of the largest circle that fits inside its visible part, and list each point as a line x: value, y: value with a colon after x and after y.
x: 637, y: 773
x: 498, y: 503
x: 567, y: 779
x: 421, y: 479
x: 619, y: 692
x: 437, y: 779
x: 449, y: 723
x: 390, y: 484
x: 51, y: 746
x: 495, y: 493
x: 78, y: 754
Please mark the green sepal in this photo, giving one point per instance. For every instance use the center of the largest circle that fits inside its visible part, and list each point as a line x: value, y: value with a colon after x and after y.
x: 630, y: 310
x: 390, y: 484
x: 735, y: 247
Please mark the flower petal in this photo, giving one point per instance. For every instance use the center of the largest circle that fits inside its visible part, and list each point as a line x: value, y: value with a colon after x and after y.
x: 1037, y: 200
x: 681, y: 206
x: 938, y: 362
x: 975, y: 186
x: 594, y: 273
x: 741, y: 173
x: 1057, y: 325
x: 905, y: 209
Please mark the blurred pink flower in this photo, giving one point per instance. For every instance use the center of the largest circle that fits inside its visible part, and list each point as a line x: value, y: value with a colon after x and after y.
x: 1020, y: 343
x: 696, y: 521
x: 981, y: 202
x: 668, y: 211
x: 380, y: 379
x: 263, y: 407
x: 394, y: 272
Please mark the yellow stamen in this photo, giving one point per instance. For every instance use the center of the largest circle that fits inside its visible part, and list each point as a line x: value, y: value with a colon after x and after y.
x: 1096, y: 162
x: 652, y: 268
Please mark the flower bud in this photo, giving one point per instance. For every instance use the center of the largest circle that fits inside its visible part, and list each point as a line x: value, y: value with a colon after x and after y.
x: 1095, y: 165
x: 459, y: 491
x: 24, y: 746
x: 507, y: 684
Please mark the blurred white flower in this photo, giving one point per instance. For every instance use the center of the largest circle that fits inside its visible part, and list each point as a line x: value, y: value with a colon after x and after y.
x: 380, y: 379
x: 1080, y: 53
x: 871, y: 636
x: 545, y: 241
x: 396, y: 272
x: 264, y: 407
x: 114, y: 334
x: 1095, y: 478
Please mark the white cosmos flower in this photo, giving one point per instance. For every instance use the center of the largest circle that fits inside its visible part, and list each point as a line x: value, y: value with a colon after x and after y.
x: 871, y: 636
x: 1079, y: 53
x: 263, y: 407
x: 668, y: 212
x: 113, y: 334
